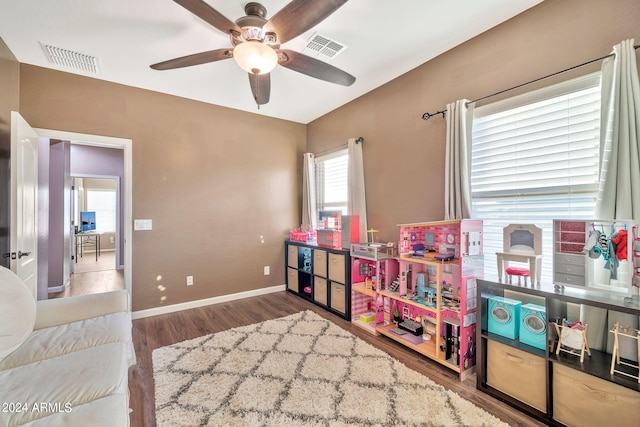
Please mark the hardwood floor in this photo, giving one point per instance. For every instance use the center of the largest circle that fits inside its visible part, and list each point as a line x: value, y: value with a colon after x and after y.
x: 92, y: 277
x: 88, y: 263
x: 158, y: 331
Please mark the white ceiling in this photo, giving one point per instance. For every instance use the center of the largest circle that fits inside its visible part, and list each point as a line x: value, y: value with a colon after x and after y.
x: 384, y: 39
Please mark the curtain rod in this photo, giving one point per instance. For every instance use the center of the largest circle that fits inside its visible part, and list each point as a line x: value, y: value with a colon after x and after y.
x: 340, y: 147
x: 427, y: 116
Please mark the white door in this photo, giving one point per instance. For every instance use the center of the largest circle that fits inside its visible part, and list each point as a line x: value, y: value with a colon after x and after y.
x: 24, y: 201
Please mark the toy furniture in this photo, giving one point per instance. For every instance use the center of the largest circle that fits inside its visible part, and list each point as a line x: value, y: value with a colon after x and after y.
x: 69, y: 356
x: 572, y: 339
x: 521, y: 243
x: 595, y: 254
x: 519, y: 272
x: 628, y: 333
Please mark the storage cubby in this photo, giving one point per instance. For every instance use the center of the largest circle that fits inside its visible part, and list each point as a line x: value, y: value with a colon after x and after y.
x: 557, y: 388
x: 320, y: 275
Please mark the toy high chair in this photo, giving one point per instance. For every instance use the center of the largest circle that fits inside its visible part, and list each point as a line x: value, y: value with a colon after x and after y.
x: 521, y: 243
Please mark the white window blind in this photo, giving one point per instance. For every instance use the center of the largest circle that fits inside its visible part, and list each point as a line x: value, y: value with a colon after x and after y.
x: 331, y: 181
x: 535, y: 158
x: 103, y: 203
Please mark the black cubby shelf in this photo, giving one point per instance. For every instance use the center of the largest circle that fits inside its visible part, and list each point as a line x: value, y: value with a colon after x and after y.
x: 321, y: 275
x: 548, y: 386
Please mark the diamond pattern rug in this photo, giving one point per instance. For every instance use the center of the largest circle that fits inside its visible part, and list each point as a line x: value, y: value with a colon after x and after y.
x: 299, y: 370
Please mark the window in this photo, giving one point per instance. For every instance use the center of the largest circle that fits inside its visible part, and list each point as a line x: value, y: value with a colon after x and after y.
x: 331, y: 181
x: 103, y: 203
x: 535, y: 157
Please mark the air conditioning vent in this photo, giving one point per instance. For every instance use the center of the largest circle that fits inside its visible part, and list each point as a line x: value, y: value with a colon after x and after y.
x: 323, y: 48
x: 71, y: 59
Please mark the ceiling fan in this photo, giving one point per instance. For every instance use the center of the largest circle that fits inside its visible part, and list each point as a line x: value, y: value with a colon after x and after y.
x: 256, y: 42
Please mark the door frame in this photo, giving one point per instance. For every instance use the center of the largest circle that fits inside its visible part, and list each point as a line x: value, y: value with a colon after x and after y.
x: 127, y: 189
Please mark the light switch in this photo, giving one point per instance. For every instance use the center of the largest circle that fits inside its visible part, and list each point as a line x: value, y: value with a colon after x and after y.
x: 142, y: 224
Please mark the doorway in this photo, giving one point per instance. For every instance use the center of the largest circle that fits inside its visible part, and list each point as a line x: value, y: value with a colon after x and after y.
x: 121, y: 240
x: 95, y: 252
x: 95, y: 218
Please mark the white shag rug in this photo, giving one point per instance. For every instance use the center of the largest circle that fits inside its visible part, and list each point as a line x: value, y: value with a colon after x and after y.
x: 299, y: 370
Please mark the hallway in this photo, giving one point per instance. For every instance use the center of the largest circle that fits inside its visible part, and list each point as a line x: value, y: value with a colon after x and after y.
x: 93, y: 276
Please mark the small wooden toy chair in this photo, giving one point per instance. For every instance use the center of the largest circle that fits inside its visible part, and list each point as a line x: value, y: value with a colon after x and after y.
x: 517, y: 271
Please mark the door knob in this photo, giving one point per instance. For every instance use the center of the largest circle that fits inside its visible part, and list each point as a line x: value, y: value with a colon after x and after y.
x: 21, y: 254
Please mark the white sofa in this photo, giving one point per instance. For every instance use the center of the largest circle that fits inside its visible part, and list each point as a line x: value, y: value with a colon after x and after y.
x: 63, y: 362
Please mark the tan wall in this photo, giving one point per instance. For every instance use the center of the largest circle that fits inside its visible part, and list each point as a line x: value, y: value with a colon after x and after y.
x: 404, y: 155
x: 221, y: 186
x: 217, y: 182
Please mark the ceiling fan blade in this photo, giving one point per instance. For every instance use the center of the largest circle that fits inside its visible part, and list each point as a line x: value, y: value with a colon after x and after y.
x: 195, y: 59
x: 205, y: 12
x: 299, y: 16
x: 260, y: 87
x: 313, y: 67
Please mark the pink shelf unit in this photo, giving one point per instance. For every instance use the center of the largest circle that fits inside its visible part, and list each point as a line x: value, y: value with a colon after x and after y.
x: 370, y: 273
x: 449, y: 304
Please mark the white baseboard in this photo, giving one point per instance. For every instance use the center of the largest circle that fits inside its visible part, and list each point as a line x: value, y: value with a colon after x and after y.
x: 203, y: 302
x: 93, y: 251
x: 56, y: 289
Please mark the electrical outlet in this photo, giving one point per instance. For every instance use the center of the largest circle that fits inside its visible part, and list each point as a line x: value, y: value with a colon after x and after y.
x: 267, y: 270
x: 189, y: 280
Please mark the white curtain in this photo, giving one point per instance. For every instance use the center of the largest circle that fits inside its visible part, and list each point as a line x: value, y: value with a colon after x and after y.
x: 457, y: 190
x: 619, y: 191
x: 355, y: 183
x: 309, y: 221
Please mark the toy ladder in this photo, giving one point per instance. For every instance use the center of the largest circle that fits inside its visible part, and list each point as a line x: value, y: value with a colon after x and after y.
x: 615, y: 355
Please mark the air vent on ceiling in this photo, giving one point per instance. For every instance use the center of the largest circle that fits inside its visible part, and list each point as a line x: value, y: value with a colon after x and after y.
x: 323, y: 48
x: 71, y: 59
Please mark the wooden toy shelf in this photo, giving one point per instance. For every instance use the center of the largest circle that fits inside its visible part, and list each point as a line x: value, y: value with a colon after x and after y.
x: 396, y: 296
x: 360, y: 287
x: 426, y: 348
x: 429, y: 261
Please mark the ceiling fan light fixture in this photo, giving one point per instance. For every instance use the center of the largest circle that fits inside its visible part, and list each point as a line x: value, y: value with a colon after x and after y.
x: 255, y: 57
